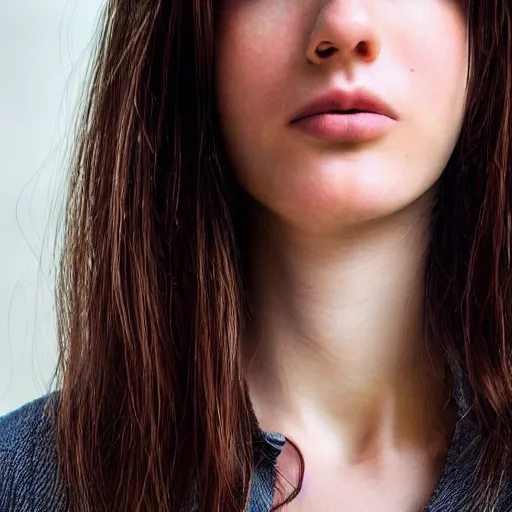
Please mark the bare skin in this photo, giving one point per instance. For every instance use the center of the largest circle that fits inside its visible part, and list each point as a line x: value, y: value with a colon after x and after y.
x: 337, y: 361
x: 336, y: 356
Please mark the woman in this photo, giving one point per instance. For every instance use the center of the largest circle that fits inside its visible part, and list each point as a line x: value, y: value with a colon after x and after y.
x: 286, y: 273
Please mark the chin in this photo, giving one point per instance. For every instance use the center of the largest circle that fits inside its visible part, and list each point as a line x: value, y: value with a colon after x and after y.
x: 330, y: 211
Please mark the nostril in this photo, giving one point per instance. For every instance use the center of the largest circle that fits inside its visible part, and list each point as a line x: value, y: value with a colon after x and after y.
x: 363, y: 49
x: 324, y: 51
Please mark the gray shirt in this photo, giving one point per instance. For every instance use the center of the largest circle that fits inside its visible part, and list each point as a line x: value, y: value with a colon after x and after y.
x: 29, y: 478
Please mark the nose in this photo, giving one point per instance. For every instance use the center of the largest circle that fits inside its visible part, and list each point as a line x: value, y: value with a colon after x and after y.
x: 344, y: 32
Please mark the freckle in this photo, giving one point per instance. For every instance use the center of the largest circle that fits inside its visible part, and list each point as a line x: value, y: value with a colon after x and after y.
x: 411, y: 70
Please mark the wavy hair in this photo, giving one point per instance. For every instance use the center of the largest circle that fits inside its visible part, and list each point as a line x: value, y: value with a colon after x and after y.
x: 154, y: 412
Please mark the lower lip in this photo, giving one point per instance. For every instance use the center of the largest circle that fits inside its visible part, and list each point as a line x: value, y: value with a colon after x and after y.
x: 350, y: 128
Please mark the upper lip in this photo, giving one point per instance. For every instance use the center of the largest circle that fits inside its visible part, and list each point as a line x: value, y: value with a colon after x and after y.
x: 342, y: 100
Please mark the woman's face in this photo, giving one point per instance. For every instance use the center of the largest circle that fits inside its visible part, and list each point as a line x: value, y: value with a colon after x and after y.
x: 276, y: 57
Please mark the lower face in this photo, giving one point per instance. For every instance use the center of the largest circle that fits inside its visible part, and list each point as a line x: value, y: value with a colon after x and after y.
x: 414, y: 58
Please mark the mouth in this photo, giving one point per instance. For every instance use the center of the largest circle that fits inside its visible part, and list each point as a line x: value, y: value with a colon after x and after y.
x: 334, y: 112
x: 346, y: 103
x: 345, y: 112
x: 346, y: 118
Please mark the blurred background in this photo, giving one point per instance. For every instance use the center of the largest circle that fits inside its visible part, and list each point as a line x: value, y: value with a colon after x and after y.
x: 45, y: 49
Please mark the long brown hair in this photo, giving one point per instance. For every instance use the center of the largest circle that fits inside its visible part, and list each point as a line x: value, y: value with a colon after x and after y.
x: 154, y: 409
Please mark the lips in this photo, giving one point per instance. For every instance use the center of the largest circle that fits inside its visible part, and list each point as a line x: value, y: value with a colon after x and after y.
x: 346, y: 102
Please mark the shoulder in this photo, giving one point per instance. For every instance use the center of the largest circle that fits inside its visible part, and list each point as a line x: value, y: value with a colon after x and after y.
x: 505, y: 495
x: 18, y: 428
x: 28, y: 460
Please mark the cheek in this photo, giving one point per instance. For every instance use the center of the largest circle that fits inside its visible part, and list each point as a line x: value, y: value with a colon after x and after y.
x: 252, y: 65
x: 441, y: 72
x: 435, y: 73
x: 438, y: 66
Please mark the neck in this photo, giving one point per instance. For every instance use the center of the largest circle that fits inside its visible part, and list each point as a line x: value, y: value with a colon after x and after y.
x: 336, y: 341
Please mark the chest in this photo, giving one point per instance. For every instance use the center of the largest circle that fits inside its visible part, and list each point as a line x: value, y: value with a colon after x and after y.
x: 404, y: 486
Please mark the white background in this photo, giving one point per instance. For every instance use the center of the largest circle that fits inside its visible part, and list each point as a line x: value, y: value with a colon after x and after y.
x: 45, y: 47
